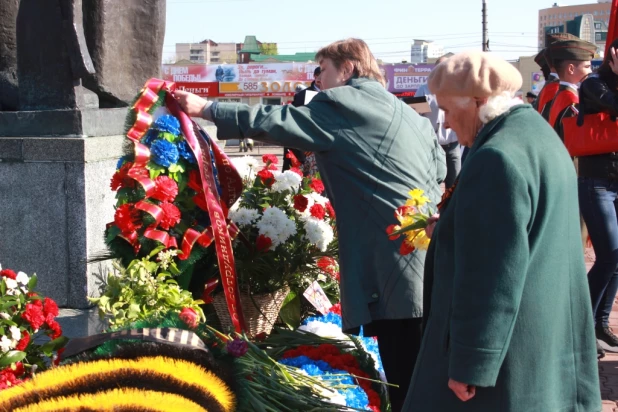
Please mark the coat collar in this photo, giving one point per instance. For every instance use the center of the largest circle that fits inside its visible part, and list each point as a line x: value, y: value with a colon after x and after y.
x: 357, y: 81
x: 486, y: 132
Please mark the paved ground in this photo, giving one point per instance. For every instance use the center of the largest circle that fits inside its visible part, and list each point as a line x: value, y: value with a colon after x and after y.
x: 608, y: 366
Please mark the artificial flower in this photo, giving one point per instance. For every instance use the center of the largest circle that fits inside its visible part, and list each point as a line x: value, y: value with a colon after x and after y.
x: 186, y: 153
x: 121, y: 178
x: 166, y: 189
x: 22, y: 278
x: 164, y: 153
x: 56, y: 330
x: 167, y: 124
x: 127, y: 218
x: 171, y: 215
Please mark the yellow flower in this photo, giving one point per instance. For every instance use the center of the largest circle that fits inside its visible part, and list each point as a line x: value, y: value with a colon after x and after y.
x: 417, y: 198
x: 421, y: 241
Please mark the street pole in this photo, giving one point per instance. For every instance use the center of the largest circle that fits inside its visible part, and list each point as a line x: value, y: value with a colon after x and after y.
x: 485, y: 31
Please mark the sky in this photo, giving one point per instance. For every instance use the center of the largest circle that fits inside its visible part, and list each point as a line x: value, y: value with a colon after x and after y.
x: 388, y: 26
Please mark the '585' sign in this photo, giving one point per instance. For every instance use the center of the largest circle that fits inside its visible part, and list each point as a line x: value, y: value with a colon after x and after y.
x: 261, y: 87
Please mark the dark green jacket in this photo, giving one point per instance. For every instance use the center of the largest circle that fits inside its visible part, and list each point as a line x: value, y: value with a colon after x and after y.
x: 510, y: 307
x: 371, y: 149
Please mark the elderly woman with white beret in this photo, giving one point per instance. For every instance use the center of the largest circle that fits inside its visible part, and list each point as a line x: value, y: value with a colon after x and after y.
x: 508, y: 320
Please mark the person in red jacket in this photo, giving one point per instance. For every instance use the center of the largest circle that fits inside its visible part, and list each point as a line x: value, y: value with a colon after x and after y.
x: 571, y: 58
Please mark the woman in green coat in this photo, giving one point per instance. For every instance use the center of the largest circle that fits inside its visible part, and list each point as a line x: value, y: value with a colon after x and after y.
x: 371, y: 150
x: 509, y: 326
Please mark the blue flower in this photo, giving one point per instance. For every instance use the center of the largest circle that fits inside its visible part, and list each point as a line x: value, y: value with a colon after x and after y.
x: 121, y: 162
x: 164, y: 153
x: 151, y: 136
x: 186, y: 152
x: 167, y: 123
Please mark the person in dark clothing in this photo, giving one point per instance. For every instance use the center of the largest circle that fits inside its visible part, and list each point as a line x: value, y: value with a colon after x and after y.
x: 299, y: 100
x: 598, y: 197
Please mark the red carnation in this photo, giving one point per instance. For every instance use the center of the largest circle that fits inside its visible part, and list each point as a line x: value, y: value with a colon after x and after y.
x: 195, y: 181
x: 316, y: 185
x: 330, y: 210
x: 50, y: 308
x: 56, y: 330
x: 318, y: 211
x: 297, y: 171
x: 336, y: 309
x: 293, y: 159
x: 127, y: 218
x: 189, y: 316
x: 166, y: 189
x: 8, y: 378
x: 121, y: 177
x: 270, y: 159
x: 328, y: 265
x: 263, y: 243
x: 267, y: 177
x: 171, y: 215
x: 24, y: 341
x: 301, y: 203
x: 8, y: 273
x: 34, y: 315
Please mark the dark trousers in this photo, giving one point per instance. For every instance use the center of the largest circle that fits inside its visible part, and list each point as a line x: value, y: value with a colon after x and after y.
x: 399, y: 341
x: 453, y: 163
x: 598, y: 202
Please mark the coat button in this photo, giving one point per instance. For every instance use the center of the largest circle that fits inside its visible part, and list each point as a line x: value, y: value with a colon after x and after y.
x: 375, y: 296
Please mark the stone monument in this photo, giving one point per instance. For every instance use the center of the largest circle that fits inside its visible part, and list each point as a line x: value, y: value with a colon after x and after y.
x: 68, y: 72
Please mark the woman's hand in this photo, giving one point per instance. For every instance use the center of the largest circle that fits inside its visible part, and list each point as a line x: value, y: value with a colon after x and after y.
x: 463, y: 391
x: 431, y: 225
x: 193, y: 105
x: 613, y: 63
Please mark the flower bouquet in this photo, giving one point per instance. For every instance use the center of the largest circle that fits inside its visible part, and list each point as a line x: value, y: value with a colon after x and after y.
x: 413, y: 219
x: 287, y: 237
x: 24, y: 317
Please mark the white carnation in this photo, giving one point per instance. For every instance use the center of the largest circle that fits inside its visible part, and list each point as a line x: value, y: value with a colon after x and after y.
x: 22, y: 278
x: 318, y: 233
x: 5, y: 344
x: 286, y: 181
x: 243, y: 216
x: 5, y: 315
x: 325, y: 330
x: 15, y: 333
x: 12, y: 287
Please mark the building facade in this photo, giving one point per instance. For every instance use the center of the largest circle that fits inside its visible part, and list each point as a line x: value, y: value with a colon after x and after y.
x: 210, y: 52
x: 587, y: 21
x: 424, y: 51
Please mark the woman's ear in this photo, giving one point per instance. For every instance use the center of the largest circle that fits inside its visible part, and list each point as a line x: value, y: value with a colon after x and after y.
x: 348, y: 70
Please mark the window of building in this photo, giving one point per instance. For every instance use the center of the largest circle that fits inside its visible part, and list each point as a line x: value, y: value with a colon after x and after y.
x: 596, y: 13
x: 597, y: 26
x: 597, y: 36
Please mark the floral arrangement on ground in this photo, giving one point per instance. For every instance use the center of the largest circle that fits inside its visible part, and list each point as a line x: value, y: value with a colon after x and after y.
x: 30, y: 337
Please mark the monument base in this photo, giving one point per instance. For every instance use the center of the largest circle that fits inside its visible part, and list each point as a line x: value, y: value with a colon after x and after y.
x: 56, y: 201
x: 67, y: 123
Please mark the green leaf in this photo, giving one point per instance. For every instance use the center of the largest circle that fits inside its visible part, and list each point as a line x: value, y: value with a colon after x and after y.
x: 3, y: 287
x: 290, y: 311
x: 168, y: 136
x: 175, y: 168
x: 156, y: 251
x: 54, y: 345
x: 32, y: 283
x: 111, y: 233
x: 12, y: 357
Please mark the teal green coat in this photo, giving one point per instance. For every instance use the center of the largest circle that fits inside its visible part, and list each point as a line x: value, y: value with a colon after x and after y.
x: 371, y: 150
x: 510, y: 307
